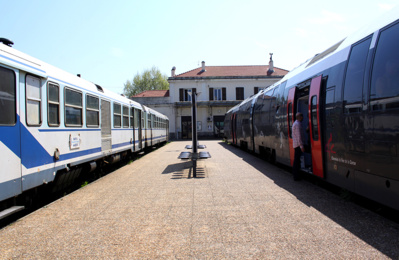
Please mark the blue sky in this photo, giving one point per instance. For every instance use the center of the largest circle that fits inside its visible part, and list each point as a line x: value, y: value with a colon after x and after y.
x: 108, y: 42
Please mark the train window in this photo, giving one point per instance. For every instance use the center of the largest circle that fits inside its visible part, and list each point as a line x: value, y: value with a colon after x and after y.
x: 131, y: 117
x: 125, y: 116
x: 73, y: 108
x: 117, y: 115
x: 315, y: 126
x: 8, y: 116
x: 33, y: 101
x: 385, y: 75
x: 53, y: 104
x: 136, y: 118
x: 353, y: 89
x: 92, y: 111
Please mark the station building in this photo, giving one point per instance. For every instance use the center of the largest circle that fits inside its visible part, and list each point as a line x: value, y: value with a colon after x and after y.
x: 218, y: 89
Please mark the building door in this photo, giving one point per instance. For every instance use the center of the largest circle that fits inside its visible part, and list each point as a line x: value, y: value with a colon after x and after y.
x: 186, y: 127
x: 218, y: 126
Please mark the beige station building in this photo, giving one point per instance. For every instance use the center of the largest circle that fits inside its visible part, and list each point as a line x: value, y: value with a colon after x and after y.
x: 218, y: 89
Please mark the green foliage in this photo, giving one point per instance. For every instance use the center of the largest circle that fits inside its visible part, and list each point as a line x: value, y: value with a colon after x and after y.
x: 150, y: 79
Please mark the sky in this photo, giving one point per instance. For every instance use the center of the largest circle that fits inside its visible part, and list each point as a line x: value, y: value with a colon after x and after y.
x: 109, y: 42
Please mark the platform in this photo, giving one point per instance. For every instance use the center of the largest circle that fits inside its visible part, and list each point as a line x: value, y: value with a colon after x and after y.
x: 239, y: 207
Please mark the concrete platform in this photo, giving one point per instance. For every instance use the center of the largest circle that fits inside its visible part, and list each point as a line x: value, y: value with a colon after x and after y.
x: 240, y: 208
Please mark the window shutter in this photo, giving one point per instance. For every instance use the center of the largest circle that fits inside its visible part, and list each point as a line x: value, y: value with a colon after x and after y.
x: 223, y: 93
x: 210, y: 94
x: 180, y: 94
x: 256, y: 90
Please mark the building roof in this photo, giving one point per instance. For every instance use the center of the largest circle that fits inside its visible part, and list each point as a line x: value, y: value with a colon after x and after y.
x: 153, y: 93
x: 232, y: 71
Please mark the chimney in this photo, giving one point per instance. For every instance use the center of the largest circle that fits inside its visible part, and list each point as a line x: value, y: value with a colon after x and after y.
x: 271, y: 66
x: 174, y: 71
x: 203, y: 65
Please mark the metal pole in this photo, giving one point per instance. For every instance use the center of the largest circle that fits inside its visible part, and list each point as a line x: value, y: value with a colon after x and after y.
x: 194, y: 133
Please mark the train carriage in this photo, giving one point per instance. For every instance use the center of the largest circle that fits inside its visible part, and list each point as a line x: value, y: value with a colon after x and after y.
x: 349, y: 95
x: 54, y: 125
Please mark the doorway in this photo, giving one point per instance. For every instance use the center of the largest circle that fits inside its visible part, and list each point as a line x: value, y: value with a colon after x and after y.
x: 186, y: 127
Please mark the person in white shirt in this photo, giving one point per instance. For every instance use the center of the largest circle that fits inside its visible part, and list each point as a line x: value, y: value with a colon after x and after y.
x: 298, y: 145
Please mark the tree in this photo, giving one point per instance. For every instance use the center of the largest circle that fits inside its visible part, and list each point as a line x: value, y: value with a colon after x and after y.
x: 150, y: 79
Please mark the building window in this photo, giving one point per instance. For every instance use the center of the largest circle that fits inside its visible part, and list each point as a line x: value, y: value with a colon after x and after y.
x: 53, y: 104
x: 185, y: 94
x: 217, y: 94
x: 117, y: 115
x: 73, y: 107
x: 240, y: 93
x: 33, y: 101
x: 92, y: 111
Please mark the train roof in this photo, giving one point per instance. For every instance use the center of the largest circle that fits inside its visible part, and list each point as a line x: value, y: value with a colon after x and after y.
x: 340, y: 50
x: 17, y: 59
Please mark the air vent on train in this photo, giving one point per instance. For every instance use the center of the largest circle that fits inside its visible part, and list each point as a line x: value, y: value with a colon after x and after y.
x: 6, y: 42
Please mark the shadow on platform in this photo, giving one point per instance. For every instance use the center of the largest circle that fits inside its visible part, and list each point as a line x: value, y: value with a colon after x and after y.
x: 184, y: 170
x: 343, y: 214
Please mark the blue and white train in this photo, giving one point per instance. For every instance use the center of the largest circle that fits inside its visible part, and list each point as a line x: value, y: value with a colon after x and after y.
x: 349, y: 96
x: 54, y: 126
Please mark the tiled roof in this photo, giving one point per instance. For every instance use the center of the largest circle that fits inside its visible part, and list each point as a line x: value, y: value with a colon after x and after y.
x: 153, y: 93
x: 233, y: 71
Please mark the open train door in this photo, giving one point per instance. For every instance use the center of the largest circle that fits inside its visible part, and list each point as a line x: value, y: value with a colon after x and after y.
x: 291, y: 107
x: 314, y: 123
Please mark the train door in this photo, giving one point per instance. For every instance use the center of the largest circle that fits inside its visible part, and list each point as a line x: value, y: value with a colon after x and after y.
x: 143, y: 129
x: 106, y: 138
x: 314, y: 127
x: 307, y: 101
x: 291, y: 111
x: 10, y: 144
x: 140, y: 127
x: 234, y: 127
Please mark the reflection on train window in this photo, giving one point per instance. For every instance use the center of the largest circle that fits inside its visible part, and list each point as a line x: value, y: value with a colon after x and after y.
x: 73, y: 108
x: 33, y: 101
x: 7, y: 97
x: 315, y: 126
x: 125, y: 116
x: 353, y: 94
x: 384, y: 93
x: 53, y: 106
x: 92, y: 111
x: 117, y: 115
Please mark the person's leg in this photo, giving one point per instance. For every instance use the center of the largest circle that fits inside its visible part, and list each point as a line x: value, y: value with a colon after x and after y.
x: 297, y: 164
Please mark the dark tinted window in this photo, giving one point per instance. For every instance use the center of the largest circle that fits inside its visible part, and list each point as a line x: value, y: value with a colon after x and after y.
x: 117, y: 115
x: 385, y: 76
x: 53, y: 104
x: 73, y: 108
x: 7, y: 97
x: 315, y: 127
x: 92, y: 111
x: 353, y: 91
